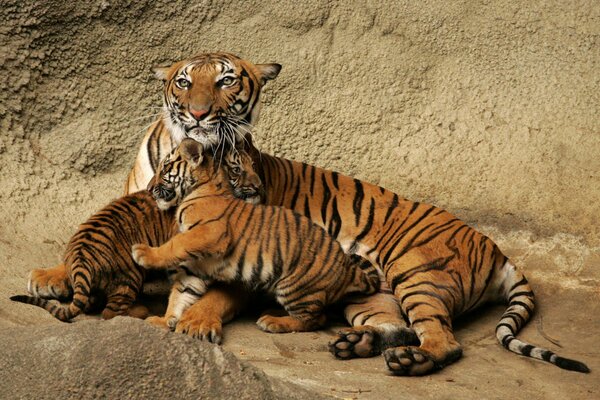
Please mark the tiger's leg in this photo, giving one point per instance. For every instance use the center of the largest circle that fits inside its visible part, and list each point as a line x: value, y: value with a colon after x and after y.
x: 119, y: 302
x: 203, y: 239
x: 377, y: 324
x: 50, y: 283
x: 305, y: 312
x: 428, y: 307
x: 186, y: 290
x: 205, y: 318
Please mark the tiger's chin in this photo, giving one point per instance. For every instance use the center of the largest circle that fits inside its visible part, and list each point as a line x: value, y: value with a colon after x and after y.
x: 165, y: 205
x: 252, y: 199
x: 206, y: 137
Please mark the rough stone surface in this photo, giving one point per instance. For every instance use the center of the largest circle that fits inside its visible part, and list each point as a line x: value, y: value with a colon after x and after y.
x: 486, y: 108
x: 127, y: 358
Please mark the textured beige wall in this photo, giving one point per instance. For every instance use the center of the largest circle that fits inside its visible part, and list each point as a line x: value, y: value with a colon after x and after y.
x: 487, y: 108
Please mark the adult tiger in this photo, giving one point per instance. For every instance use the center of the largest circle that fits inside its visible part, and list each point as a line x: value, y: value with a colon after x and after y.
x: 437, y: 266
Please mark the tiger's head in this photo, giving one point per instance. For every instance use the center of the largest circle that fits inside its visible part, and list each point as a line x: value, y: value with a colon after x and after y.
x: 243, y: 178
x: 190, y: 166
x: 213, y: 97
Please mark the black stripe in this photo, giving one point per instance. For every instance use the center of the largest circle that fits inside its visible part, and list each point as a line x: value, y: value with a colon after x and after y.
x: 506, y: 325
x: 326, y: 198
x: 528, y: 294
x: 520, y: 303
x: 523, y: 281
x: 526, y: 350
x: 391, y: 208
x: 334, y: 179
x: 369, y: 223
x: 359, y: 195
x: 336, y: 221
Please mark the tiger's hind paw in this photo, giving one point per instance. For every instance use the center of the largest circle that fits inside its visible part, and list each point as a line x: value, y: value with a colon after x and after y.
x: 356, y: 342
x: 50, y: 283
x: 409, y: 361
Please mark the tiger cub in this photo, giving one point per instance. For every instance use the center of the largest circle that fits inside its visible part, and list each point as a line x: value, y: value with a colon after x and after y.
x: 98, y: 256
x: 270, y: 248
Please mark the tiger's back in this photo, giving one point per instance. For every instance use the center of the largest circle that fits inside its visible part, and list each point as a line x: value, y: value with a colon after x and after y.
x: 97, y: 257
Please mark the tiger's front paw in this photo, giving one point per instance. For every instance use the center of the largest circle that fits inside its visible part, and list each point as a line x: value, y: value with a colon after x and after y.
x: 144, y: 255
x: 210, y: 329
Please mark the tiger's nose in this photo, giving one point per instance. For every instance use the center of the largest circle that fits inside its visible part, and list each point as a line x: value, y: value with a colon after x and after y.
x: 198, y: 114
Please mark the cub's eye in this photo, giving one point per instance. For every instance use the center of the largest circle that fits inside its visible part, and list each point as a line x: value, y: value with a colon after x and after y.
x: 236, y: 170
x: 183, y: 83
x: 228, y: 81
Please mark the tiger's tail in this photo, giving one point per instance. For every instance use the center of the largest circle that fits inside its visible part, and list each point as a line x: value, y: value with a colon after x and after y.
x: 520, y: 310
x: 65, y: 313
x: 366, y: 278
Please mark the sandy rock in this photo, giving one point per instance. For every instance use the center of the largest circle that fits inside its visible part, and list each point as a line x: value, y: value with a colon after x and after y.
x: 127, y: 358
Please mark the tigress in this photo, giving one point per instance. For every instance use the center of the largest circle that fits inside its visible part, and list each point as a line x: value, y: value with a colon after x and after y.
x: 98, y: 257
x: 223, y: 238
x: 437, y: 267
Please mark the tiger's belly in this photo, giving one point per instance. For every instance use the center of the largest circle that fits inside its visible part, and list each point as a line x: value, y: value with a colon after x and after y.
x: 237, y: 267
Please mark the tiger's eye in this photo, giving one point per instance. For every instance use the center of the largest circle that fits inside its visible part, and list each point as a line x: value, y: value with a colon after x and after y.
x: 227, y: 81
x: 183, y: 83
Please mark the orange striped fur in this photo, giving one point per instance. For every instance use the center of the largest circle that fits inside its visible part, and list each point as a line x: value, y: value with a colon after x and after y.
x: 223, y: 238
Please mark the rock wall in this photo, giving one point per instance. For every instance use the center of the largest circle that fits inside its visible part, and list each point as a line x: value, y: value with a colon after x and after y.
x: 486, y: 108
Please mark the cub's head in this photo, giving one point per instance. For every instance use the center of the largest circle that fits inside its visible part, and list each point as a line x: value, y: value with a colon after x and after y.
x: 243, y: 178
x: 214, y: 97
x: 190, y: 166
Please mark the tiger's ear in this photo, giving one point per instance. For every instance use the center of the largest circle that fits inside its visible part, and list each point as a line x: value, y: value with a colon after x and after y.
x: 161, y: 72
x: 192, y: 151
x: 268, y: 71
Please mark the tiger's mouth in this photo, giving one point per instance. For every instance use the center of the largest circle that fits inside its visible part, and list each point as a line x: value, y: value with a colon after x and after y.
x: 222, y: 129
x: 249, y: 195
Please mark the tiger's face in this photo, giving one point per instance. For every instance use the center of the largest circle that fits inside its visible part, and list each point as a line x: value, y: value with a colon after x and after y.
x: 214, y: 97
x: 244, y: 181
x: 190, y: 166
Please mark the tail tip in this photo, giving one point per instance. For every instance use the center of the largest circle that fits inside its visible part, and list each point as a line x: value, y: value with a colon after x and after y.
x: 571, y: 365
x: 19, y: 298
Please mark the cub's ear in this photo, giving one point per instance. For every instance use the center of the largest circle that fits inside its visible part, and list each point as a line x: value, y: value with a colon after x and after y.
x: 192, y: 151
x: 161, y: 72
x: 268, y: 71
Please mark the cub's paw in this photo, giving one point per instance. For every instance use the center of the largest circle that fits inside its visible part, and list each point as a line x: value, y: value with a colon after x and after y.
x: 208, y: 329
x: 50, y: 283
x: 287, y: 323
x: 273, y: 324
x: 356, y: 342
x: 159, y: 322
x: 143, y: 255
x: 409, y: 361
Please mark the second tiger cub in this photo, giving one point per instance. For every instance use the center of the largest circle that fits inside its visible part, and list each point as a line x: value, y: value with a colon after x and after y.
x: 270, y: 248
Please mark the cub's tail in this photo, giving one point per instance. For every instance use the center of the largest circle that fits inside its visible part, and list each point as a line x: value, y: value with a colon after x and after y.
x: 62, y: 312
x: 520, y: 309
